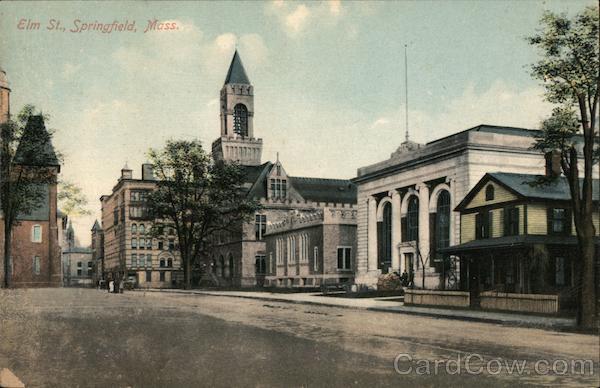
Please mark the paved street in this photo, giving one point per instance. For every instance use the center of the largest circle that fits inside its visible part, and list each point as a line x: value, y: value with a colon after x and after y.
x: 75, y: 337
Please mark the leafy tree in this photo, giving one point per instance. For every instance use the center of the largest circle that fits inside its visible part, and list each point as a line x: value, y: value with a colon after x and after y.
x: 197, y: 197
x: 27, y: 166
x: 570, y: 73
x: 71, y: 199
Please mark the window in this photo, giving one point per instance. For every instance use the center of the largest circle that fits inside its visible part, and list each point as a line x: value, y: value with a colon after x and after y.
x: 116, y: 216
x: 162, y: 263
x: 89, y: 268
x: 148, y: 260
x: 559, y: 221
x: 279, y: 251
x: 148, y: 243
x: 291, y: 252
x: 170, y: 263
x: 278, y: 169
x: 133, y: 228
x: 442, y: 224
x: 412, y: 219
x: 171, y: 245
x: 134, y: 243
x: 260, y: 263
x: 278, y: 188
x: 489, y: 193
x: 134, y: 260
x: 230, y: 266
x: 141, y: 261
x: 162, y: 276
x: 142, y: 229
x: 560, y: 271
x: 260, y: 226
x: 483, y: 224
x: 36, y: 234
x: 511, y: 221
x: 148, y: 276
x: 344, y: 256
x: 240, y: 120
x: 160, y: 245
x: 316, y: 258
x: 37, y: 266
x: 79, y: 268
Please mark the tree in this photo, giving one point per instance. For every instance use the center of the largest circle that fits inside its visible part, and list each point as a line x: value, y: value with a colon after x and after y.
x: 196, y: 196
x: 570, y: 73
x: 71, y: 199
x: 28, y: 164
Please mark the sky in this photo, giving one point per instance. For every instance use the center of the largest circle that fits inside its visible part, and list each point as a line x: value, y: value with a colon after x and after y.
x: 328, y: 77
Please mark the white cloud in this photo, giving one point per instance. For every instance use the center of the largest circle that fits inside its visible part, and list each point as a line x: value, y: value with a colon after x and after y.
x: 380, y: 122
x: 297, y: 20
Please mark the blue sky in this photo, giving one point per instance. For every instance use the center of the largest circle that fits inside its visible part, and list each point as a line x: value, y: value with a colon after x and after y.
x: 328, y: 77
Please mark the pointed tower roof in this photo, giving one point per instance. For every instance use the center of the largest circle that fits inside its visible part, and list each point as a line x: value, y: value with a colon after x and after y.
x: 35, y: 147
x: 96, y: 226
x: 236, y: 73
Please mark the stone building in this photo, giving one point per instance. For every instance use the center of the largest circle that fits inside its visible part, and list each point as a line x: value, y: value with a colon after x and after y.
x: 405, y: 203
x: 98, y: 252
x: 35, y: 249
x: 311, y: 248
x: 233, y: 258
x: 129, y: 250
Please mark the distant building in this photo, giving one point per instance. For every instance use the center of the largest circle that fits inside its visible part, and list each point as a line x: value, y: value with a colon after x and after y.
x: 518, y: 238
x: 77, y: 262
x: 310, y: 248
x: 35, y: 249
x: 129, y: 250
x: 98, y: 252
x: 233, y: 257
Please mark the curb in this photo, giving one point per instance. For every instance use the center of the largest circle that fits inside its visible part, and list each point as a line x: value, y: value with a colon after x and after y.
x: 513, y: 323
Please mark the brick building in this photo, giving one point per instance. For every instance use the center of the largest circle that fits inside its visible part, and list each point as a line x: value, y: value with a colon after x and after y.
x: 233, y: 258
x: 311, y: 248
x: 35, y: 249
x: 129, y: 249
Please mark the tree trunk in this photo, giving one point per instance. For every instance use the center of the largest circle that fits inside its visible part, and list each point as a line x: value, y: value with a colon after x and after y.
x: 7, y: 254
x: 187, y: 284
x: 587, y: 310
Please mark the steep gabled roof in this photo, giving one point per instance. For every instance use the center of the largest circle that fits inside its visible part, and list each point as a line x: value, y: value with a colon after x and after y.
x: 35, y: 147
x: 521, y: 185
x: 255, y: 178
x: 236, y: 73
x: 324, y: 190
x: 96, y: 226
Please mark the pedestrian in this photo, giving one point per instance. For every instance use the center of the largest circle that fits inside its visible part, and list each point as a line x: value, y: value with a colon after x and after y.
x: 111, y: 286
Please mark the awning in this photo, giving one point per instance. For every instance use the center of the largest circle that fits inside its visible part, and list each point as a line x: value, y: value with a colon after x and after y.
x: 524, y: 240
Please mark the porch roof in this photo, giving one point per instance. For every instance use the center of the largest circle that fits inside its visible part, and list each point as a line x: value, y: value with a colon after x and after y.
x: 511, y: 242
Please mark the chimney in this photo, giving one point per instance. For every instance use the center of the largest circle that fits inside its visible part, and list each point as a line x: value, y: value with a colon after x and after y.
x: 147, y: 172
x: 126, y: 172
x: 553, y: 168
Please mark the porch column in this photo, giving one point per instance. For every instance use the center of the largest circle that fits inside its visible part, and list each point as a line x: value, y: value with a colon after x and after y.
x: 372, y: 234
x: 396, y: 231
x: 423, y: 221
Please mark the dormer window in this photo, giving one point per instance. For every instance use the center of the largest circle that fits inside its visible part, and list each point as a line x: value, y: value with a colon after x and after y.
x: 489, y: 193
x: 279, y: 188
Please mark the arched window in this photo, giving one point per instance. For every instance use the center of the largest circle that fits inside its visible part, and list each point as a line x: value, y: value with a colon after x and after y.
x: 222, y: 264
x: 169, y: 263
x: 133, y: 228
x: 142, y: 229
x: 489, y: 193
x: 162, y: 263
x: 385, y: 240
x: 442, y: 222
x: 230, y: 265
x: 412, y: 219
x: 240, y: 120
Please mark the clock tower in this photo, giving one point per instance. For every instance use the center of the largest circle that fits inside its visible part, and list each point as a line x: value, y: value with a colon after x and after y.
x: 237, y: 141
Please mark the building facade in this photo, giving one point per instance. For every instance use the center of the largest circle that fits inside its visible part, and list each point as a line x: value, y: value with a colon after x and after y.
x: 310, y: 248
x: 516, y: 238
x: 405, y: 203
x: 35, y: 249
x: 130, y: 251
x: 98, y: 252
x: 233, y: 257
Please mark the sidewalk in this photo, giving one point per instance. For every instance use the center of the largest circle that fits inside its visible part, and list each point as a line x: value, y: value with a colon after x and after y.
x: 393, y: 306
